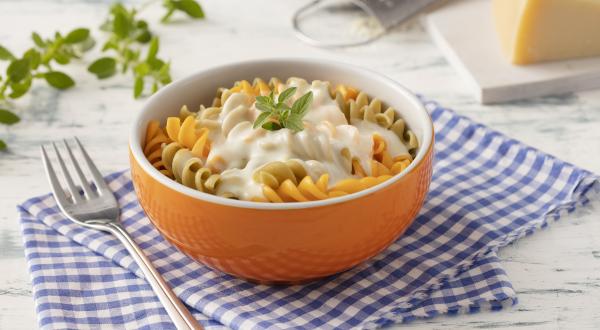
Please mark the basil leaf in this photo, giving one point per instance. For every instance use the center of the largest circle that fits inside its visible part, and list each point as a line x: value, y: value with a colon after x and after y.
x: 103, y: 67
x: 18, y: 70
x: 302, y: 104
x: 2, y: 145
x: 77, y: 36
x: 286, y: 94
x: 59, y: 80
x: 8, y: 117
x: 138, y: 87
x: 6, y: 55
x: 190, y: 7
x: 261, y: 119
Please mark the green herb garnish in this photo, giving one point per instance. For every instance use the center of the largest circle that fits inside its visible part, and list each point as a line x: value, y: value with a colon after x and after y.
x: 39, y: 62
x: 190, y: 7
x: 278, y: 115
x: 127, y: 36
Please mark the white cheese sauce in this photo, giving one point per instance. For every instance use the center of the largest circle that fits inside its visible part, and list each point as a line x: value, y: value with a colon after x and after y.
x: 237, y: 149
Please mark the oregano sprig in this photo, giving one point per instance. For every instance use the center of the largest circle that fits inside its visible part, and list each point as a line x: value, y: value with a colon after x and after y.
x: 276, y: 115
x: 127, y: 35
x: 38, y: 62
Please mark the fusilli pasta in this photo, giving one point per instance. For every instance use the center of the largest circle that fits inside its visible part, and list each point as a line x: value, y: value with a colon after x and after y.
x: 282, y: 166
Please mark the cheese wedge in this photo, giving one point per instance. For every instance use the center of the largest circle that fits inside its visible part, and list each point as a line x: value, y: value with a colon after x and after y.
x: 533, y: 31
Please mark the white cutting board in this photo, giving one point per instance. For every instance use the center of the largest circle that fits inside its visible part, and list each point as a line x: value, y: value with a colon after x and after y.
x: 465, y: 33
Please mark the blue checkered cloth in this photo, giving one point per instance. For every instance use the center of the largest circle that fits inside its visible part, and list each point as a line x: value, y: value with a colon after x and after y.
x: 487, y: 191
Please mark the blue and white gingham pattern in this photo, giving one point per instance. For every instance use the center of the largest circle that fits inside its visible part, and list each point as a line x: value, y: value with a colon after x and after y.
x: 487, y: 191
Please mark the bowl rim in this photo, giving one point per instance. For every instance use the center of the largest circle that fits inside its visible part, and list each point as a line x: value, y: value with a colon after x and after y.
x: 136, y: 150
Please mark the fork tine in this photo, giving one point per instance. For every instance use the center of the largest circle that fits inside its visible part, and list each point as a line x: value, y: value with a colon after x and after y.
x: 72, y: 187
x: 98, y: 179
x: 84, y: 182
x: 58, y: 191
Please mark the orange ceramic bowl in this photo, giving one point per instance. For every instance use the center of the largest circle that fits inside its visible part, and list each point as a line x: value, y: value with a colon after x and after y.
x: 289, y: 242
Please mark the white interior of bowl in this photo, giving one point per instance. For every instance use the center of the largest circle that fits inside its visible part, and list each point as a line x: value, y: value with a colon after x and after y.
x: 200, y: 88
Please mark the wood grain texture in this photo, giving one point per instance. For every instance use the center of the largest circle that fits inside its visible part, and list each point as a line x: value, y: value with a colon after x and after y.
x: 556, y: 271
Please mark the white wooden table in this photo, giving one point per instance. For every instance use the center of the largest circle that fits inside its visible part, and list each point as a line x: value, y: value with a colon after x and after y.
x: 556, y: 272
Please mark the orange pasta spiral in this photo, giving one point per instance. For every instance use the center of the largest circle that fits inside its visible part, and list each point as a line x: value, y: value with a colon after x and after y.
x: 153, y: 142
x: 186, y: 134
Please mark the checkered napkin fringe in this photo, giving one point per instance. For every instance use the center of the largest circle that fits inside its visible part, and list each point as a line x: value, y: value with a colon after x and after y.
x: 487, y: 191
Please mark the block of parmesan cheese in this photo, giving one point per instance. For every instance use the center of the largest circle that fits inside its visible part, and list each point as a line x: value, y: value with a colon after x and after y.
x: 533, y: 31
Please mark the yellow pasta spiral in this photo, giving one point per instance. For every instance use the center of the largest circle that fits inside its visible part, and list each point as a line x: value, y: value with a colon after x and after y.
x: 383, y: 163
x: 258, y: 87
x: 289, y: 182
x: 188, y: 169
x: 153, y: 142
x: 186, y: 134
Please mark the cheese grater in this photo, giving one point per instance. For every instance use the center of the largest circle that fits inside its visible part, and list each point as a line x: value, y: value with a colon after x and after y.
x: 388, y: 14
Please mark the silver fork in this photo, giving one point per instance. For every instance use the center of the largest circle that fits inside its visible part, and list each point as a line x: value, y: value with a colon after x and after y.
x: 99, y: 210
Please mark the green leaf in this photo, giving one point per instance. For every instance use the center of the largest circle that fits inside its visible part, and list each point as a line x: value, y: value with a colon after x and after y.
x: 62, y: 58
x: 261, y: 119
x: 18, y: 70
x: 155, y: 64
x: 155, y: 87
x: 264, y: 107
x: 263, y: 99
x: 110, y: 44
x: 77, y: 36
x: 121, y: 25
x: 294, y: 122
x: 34, y: 58
x: 167, y: 15
x: 141, y: 69
x: 286, y: 94
x: 19, y: 89
x: 87, y: 44
x: 138, y: 87
x: 271, y: 126
x: 152, y: 49
x: 190, y: 7
x: 8, y: 117
x: 2, y: 145
x: 302, y: 104
x: 103, y: 67
x: 143, y: 36
x: 141, y: 24
x: 6, y: 55
x: 37, y: 39
x: 59, y: 80
x: 164, y: 74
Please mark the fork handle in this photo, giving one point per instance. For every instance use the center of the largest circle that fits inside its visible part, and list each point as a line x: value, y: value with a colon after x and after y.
x: 180, y: 315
